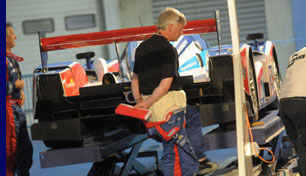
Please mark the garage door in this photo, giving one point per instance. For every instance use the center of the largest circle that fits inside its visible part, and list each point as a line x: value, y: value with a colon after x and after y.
x: 250, y: 14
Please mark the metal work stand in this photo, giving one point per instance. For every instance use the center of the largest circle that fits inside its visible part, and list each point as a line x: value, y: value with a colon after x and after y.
x: 269, y: 134
x: 262, y: 134
x: 104, y: 156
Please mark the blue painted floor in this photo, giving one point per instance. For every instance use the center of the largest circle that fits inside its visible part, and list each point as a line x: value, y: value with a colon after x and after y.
x: 75, y: 170
x: 219, y: 156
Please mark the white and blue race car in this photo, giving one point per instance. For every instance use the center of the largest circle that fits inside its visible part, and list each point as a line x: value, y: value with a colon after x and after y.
x: 82, y: 100
x: 213, y: 66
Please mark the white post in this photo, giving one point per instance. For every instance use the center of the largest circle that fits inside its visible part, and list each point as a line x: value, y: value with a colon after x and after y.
x: 244, y: 162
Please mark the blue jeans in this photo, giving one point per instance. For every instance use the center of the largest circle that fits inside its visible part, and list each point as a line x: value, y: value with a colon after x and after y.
x: 194, y: 130
x: 179, y: 156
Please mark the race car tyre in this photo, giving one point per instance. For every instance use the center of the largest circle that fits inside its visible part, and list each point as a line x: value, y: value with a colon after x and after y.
x: 276, y: 73
x: 253, y: 97
x: 277, y: 81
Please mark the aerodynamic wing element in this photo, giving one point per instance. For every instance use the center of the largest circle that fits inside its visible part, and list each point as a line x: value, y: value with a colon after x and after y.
x: 117, y: 36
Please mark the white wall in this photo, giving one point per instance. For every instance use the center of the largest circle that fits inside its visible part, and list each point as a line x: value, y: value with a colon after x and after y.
x: 27, y: 46
x: 132, y: 10
x: 280, y: 29
x: 125, y: 14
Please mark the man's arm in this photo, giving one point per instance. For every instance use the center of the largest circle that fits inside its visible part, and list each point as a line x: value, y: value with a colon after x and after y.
x: 10, y: 86
x: 22, y: 97
x: 19, y: 84
x: 135, y: 88
x: 158, y: 92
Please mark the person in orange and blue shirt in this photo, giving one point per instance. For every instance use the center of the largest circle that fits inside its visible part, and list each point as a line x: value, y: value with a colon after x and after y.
x: 19, y: 149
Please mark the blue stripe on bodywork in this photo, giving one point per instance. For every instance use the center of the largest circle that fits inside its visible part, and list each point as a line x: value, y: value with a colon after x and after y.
x: 190, y: 64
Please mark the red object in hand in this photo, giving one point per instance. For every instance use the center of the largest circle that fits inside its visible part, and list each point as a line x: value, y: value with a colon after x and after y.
x: 131, y: 111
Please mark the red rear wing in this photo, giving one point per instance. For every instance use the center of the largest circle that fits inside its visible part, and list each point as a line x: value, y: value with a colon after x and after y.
x: 117, y: 36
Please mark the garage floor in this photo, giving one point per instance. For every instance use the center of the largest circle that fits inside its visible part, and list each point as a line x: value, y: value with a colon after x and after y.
x: 219, y: 156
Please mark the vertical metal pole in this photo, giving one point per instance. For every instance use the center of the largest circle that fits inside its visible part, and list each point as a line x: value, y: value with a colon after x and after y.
x: 244, y: 162
x: 218, y: 26
x: 119, y: 62
x: 43, y: 54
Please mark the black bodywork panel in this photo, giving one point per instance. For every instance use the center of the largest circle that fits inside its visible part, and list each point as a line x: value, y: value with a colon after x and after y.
x: 91, y: 114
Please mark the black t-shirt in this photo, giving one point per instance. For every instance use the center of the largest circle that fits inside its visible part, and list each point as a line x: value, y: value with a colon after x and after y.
x: 156, y: 59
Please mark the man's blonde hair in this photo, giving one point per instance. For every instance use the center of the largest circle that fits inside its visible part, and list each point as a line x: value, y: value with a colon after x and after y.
x: 170, y: 16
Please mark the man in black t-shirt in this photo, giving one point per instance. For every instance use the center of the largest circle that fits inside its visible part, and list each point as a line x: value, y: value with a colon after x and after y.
x: 156, y: 60
x: 155, y: 86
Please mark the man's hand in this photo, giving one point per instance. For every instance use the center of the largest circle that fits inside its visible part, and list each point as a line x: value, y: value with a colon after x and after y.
x: 19, y: 84
x: 143, y: 104
x: 22, y: 97
x: 158, y: 92
x: 139, y: 100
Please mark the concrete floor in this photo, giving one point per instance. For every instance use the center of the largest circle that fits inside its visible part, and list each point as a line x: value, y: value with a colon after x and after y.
x: 218, y: 156
x: 222, y: 157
